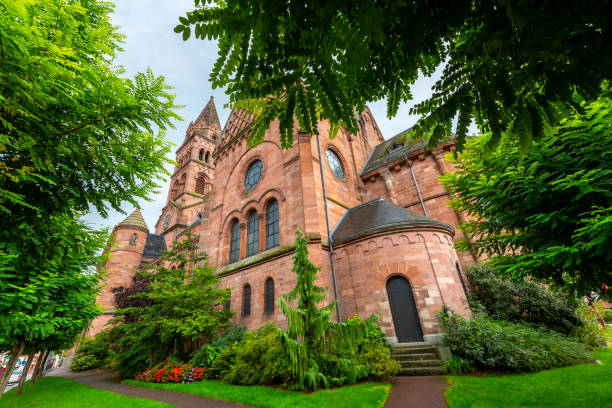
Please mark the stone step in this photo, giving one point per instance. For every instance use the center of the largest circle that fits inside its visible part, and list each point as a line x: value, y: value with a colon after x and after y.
x: 413, y: 350
x: 422, y: 371
x: 421, y: 363
x: 419, y: 356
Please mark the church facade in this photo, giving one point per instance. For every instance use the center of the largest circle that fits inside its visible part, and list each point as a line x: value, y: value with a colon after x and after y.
x: 389, y: 249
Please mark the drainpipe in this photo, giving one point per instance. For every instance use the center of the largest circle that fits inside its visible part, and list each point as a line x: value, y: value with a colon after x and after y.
x: 416, y: 185
x: 329, y: 239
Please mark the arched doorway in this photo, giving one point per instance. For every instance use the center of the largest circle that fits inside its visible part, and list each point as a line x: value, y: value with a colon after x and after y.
x: 403, y: 310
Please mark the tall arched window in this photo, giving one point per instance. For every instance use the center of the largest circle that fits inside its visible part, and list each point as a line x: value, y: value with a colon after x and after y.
x: 246, y: 300
x: 201, y: 155
x: 174, y: 191
x: 201, y: 184
x: 207, y: 157
x: 181, y: 186
x: 235, y: 242
x: 269, y: 296
x: 133, y: 240
x: 252, y: 234
x: 272, y: 233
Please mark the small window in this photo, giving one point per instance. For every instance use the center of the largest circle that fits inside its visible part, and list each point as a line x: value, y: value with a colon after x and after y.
x: 395, y: 146
x: 246, y: 300
x: 207, y: 157
x: 235, y: 242
x: 167, y: 222
x: 253, y: 174
x: 228, y: 303
x: 269, y: 296
x: 252, y: 233
x: 133, y: 239
x: 334, y: 163
x: 201, y: 155
x: 272, y: 233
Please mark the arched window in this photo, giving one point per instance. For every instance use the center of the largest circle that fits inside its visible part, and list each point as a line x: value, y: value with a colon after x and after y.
x: 252, y: 234
x: 235, y: 242
x: 207, y: 157
x: 174, y: 191
x: 272, y: 234
x: 461, y: 277
x: 133, y: 239
x: 246, y: 300
x: 269, y: 296
x: 201, y: 184
x: 167, y: 222
x: 334, y: 163
x: 181, y: 186
x: 201, y: 155
x: 228, y: 303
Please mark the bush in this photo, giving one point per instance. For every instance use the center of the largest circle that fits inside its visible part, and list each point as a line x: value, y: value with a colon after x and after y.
x: 506, y: 346
x: 607, y: 316
x: 456, y: 365
x: 94, y: 352
x: 231, y: 335
x: 520, y: 300
x: 223, y: 363
x: 592, y: 332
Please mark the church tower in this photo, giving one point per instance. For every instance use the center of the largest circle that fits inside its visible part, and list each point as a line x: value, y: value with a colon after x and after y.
x: 192, y: 176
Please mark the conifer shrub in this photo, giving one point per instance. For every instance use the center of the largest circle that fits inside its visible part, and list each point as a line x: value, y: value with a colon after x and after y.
x: 506, y: 346
x: 94, y: 352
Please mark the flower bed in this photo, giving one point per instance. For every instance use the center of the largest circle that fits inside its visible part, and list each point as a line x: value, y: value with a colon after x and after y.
x: 172, y: 373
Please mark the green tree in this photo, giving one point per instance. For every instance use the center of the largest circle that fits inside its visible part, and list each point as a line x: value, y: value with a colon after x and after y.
x: 512, y: 66
x: 185, y: 310
x: 547, y: 214
x: 49, y: 284
x: 322, y: 353
x: 74, y: 134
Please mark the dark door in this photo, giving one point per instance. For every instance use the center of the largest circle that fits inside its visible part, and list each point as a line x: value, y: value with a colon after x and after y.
x: 403, y: 310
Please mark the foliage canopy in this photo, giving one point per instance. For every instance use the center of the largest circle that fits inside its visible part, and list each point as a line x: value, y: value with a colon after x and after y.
x: 547, y: 214
x: 512, y: 66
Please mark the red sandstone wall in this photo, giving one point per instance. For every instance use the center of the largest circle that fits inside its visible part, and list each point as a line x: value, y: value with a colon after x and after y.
x: 363, y: 268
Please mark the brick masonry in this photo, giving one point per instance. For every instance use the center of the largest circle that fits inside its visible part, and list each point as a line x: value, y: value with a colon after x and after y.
x: 424, y: 255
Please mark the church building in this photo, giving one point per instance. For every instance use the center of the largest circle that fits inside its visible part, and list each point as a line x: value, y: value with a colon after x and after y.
x: 391, y: 230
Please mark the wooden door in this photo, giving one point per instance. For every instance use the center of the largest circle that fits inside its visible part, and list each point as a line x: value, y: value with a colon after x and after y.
x: 403, y: 310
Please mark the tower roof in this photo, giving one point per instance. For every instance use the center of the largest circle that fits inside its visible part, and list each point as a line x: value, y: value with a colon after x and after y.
x: 208, y: 117
x: 135, y: 219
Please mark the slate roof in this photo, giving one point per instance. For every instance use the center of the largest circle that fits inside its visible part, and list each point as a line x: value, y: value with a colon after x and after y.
x: 135, y: 219
x: 378, y: 215
x: 383, y: 153
x: 154, y: 246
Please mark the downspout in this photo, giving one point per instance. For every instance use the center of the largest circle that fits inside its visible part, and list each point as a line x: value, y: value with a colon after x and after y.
x: 329, y: 239
x: 416, y: 185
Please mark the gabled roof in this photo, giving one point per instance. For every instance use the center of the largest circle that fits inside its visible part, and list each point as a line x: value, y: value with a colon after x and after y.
x: 154, y: 246
x: 385, y: 152
x: 135, y: 219
x: 208, y: 117
x: 378, y: 215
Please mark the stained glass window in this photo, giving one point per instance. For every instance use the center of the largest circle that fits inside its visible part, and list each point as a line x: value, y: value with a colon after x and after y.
x: 252, y: 234
x: 253, y: 174
x: 272, y: 232
x: 269, y: 296
x: 246, y: 300
x: 334, y: 163
x: 235, y: 242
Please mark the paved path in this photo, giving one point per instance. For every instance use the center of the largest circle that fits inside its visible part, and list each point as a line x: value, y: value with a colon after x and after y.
x: 106, y: 380
x: 417, y: 392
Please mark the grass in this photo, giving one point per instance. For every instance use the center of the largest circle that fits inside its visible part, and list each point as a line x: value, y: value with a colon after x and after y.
x: 66, y: 393
x: 364, y: 395
x: 581, y: 385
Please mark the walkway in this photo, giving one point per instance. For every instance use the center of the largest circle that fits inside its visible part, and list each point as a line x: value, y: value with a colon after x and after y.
x: 106, y: 381
x: 417, y: 392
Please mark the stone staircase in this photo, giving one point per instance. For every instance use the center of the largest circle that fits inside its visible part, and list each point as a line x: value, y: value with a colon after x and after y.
x: 418, y: 359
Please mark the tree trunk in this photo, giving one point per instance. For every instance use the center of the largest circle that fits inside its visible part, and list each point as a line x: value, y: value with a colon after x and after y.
x: 15, y: 352
x: 37, y: 366
x: 24, y: 374
x: 41, y: 367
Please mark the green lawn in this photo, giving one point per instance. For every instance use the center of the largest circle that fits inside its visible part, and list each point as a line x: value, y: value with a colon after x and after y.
x: 582, y: 385
x: 365, y: 395
x: 65, y: 393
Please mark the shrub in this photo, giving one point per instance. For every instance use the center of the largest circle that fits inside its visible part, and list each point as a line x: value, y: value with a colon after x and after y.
x: 592, y: 332
x: 85, y: 362
x: 260, y: 359
x: 520, y: 300
x: 607, y: 316
x: 224, y: 362
x: 507, y: 346
x: 456, y: 365
x: 231, y: 335
x: 204, y: 356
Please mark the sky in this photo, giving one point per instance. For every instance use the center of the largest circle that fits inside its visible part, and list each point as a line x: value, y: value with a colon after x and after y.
x: 151, y: 42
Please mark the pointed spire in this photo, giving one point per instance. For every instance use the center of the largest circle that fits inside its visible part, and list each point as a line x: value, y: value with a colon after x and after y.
x: 135, y: 219
x: 208, y: 117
